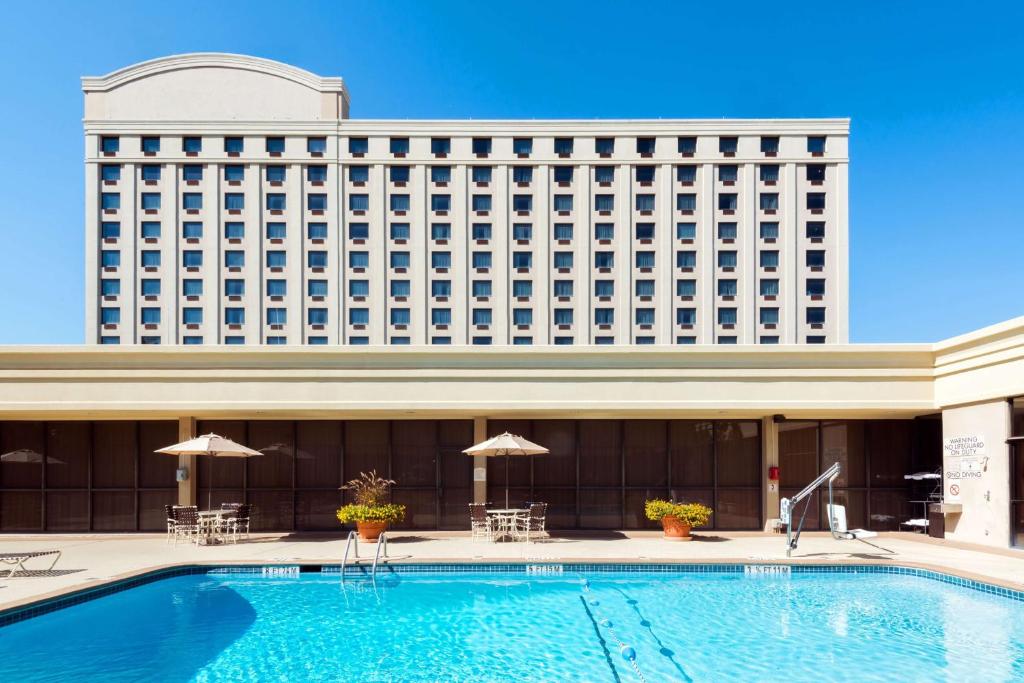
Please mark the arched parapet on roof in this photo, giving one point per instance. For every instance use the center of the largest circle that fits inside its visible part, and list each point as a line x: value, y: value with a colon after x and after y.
x: 209, y: 86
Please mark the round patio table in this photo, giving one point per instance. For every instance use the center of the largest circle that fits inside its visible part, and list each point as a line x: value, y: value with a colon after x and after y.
x: 505, y: 520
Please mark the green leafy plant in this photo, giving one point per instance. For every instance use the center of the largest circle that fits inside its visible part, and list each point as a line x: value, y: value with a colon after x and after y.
x: 387, y: 512
x: 691, y: 514
x: 371, y: 493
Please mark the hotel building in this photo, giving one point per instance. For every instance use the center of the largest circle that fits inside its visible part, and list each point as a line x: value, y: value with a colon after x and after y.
x: 231, y: 200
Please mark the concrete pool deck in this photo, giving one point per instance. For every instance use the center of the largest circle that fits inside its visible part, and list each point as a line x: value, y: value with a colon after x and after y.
x: 91, y: 560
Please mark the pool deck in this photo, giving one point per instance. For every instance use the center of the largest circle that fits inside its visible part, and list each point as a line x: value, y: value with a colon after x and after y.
x: 91, y: 560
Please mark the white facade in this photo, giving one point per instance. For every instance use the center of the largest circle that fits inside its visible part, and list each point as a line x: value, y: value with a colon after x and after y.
x: 244, y: 206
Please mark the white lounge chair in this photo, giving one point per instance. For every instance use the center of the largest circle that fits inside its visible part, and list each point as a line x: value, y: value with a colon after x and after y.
x: 837, y: 523
x: 16, y: 561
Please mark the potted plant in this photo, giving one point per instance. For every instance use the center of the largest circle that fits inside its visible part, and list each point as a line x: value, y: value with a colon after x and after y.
x: 370, y: 512
x: 677, y: 518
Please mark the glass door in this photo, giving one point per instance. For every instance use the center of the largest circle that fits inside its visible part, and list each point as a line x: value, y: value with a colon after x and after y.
x: 1017, y: 494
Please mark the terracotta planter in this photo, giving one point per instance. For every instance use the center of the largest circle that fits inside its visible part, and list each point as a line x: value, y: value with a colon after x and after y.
x: 675, y: 529
x: 371, y: 531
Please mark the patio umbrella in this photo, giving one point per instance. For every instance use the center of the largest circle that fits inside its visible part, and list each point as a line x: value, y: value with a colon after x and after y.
x: 508, y: 445
x: 214, y: 446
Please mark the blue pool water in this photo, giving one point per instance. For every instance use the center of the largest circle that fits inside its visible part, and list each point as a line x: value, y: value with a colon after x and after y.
x: 517, y: 627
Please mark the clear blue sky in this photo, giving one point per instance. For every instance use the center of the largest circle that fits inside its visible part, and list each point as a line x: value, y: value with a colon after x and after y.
x: 935, y: 91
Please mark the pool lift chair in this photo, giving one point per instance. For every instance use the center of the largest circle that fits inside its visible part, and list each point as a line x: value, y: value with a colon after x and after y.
x: 836, y: 514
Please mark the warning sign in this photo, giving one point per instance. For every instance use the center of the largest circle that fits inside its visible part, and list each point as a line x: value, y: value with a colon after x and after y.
x: 963, y: 459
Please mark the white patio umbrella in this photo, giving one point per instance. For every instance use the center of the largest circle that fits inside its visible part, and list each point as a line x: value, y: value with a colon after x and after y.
x: 508, y: 445
x: 214, y: 446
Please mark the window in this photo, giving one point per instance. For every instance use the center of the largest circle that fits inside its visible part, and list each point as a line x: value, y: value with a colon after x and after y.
x: 441, y: 341
x: 231, y: 287
x: 816, y: 230
x: 645, y: 202
x: 602, y: 341
x: 316, y: 340
x: 815, y: 339
x: 563, y: 146
x: 111, y: 173
x: 400, y: 288
x: 522, y: 260
x: 151, y: 259
x: 236, y: 259
x: 316, y: 231
x: 604, y: 146
x: 358, y: 316
x: 441, y: 288
x: 686, y: 174
x: 815, y: 287
x: 686, y: 231
x: 686, y: 340
x: 440, y: 231
x: 399, y: 145
x: 440, y: 202
x: 604, y: 316
x: 604, y: 174
x: 316, y: 316
x: 151, y: 201
x: 563, y: 202
x: 110, y: 144
x: 769, y: 201
x: 769, y: 231
x: 482, y: 202
x: 358, y: 146
x: 769, y: 259
x: 150, y: 145
x: 563, y: 260
x: 686, y: 202
x: 645, y: 259
x: 441, y: 316
x: 726, y: 316
x: 192, y: 172
x: 563, y: 232
x: 563, y: 174
x: 481, y: 145
x: 522, y: 316
x: 150, y: 172
x: 686, y: 288
x: 358, y: 231
x: 399, y: 202
x: 399, y: 174
x: 398, y: 259
x: 604, y: 202
x: 727, y: 259
x: 195, y: 287
x: 604, y: 259
x: 816, y: 144
x: 233, y: 145
x: 727, y: 201
x: 359, y: 202
x: 815, y: 316
x: 110, y: 201
x: 190, y: 201
x: 317, y: 259
x: 234, y: 173
x: 727, y: 288
x: 358, y: 288
x: 604, y: 231
x: 359, y: 341
x: 150, y: 316
x: 111, y: 230
x: 645, y: 174
x: 113, y: 287
x: 563, y: 316
x: 149, y: 287
x: 815, y: 258
x: 191, y: 340
x: 644, y: 316
x: 275, y: 288
x: 522, y: 174
x: 441, y: 259
x: 726, y: 231
x: 727, y: 145
x: 192, y: 316
x: 275, y: 202
x: 481, y: 316
x: 316, y: 288
x: 816, y: 173
x: 686, y: 259
x: 645, y: 146
x: 522, y: 202
x: 686, y: 145
x: 768, y: 339
x: 277, y: 316
x: 769, y: 316
x: 481, y: 288
x: 644, y: 288
x: 399, y: 231
x: 440, y: 174
x: 110, y: 316
x: 316, y: 146
x: 359, y: 174
x: 232, y: 340
x: 440, y: 145
x: 562, y: 288
x: 769, y: 173
x: 727, y: 340
x: 481, y: 341
x: 769, y: 144
x: 482, y: 260
x: 481, y: 231
x: 816, y: 201
x: 523, y: 288
x: 727, y: 173
x: 769, y: 287
x: 523, y: 231
x: 523, y: 146
x: 192, y: 145
x: 275, y: 174
x: 604, y: 288
x: 275, y: 259
x: 192, y: 230
x: 523, y: 341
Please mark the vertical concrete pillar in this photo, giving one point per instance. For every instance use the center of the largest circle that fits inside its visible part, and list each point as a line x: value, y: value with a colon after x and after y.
x: 769, y: 458
x: 187, y: 489
x: 479, y: 461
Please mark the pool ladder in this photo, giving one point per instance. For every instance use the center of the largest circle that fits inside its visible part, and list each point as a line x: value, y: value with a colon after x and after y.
x: 353, y: 540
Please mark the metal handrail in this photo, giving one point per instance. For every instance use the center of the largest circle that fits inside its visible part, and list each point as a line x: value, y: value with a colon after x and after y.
x: 382, y: 542
x: 352, y: 536
x: 787, y: 505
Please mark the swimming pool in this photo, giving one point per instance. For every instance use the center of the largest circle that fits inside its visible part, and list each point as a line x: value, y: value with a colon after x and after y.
x: 502, y: 623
